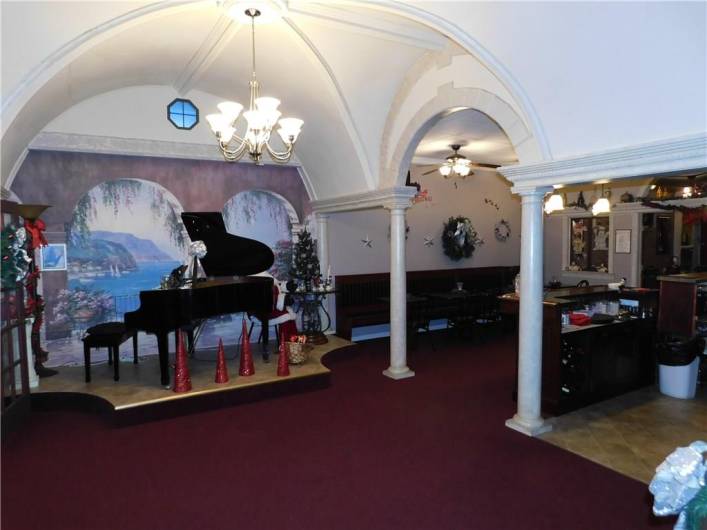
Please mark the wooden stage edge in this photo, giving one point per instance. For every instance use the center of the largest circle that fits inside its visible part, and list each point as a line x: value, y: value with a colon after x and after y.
x: 138, y: 396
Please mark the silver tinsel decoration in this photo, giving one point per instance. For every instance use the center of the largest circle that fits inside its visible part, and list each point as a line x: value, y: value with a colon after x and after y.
x: 677, y: 480
x: 198, y: 249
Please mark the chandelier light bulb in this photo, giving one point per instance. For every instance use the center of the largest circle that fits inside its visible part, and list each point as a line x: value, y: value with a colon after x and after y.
x: 231, y: 110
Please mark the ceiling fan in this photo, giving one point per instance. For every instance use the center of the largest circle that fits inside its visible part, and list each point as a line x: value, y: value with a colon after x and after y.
x: 458, y: 165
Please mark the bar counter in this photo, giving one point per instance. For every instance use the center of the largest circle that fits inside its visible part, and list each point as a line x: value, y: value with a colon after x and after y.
x: 585, y: 364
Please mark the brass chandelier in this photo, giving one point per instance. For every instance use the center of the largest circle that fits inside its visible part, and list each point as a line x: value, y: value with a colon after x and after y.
x: 262, y: 115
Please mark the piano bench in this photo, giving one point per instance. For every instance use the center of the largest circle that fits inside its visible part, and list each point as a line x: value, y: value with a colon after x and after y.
x: 107, y: 335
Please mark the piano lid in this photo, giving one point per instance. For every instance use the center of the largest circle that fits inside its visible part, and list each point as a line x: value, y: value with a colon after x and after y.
x: 226, y: 254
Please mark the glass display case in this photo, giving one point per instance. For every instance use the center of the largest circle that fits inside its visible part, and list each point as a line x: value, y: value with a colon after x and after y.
x: 589, y: 244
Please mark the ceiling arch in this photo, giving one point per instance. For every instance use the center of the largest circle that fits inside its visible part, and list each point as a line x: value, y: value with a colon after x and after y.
x: 100, y: 60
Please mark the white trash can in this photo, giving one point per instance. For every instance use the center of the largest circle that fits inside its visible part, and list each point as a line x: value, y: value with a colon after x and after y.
x: 679, y: 381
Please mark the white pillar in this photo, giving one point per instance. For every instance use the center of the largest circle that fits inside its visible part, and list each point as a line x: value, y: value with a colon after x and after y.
x: 323, y: 242
x: 323, y: 253
x: 530, y: 329
x: 33, y: 377
x: 398, y: 368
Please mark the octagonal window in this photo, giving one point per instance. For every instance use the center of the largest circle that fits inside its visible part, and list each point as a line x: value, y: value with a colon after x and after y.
x: 183, y: 114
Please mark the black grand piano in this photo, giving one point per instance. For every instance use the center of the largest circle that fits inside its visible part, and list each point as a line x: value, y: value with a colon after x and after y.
x: 227, y: 289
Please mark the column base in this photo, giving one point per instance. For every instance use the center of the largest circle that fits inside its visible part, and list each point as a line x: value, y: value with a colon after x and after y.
x: 529, y: 428
x: 399, y: 374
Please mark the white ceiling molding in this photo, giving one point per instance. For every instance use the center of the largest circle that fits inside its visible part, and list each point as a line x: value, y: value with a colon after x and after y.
x: 306, y: 180
x: 653, y: 158
x: 364, y: 25
x: 111, y: 145
x: 396, y: 197
x: 472, y: 46
x: 449, y: 97
x: 332, y: 84
x: 217, y: 39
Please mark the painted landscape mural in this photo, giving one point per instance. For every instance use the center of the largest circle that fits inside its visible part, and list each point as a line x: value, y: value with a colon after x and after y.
x: 126, y: 234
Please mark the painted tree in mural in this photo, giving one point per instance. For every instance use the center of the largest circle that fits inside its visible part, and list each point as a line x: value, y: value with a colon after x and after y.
x: 305, y: 263
x: 119, y: 194
x: 283, y: 260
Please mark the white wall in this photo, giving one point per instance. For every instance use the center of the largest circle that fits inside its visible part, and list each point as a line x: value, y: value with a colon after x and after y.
x: 137, y: 112
x: 349, y: 256
x: 599, y: 74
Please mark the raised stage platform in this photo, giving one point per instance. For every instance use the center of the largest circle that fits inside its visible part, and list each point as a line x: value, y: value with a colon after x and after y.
x: 139, y: 396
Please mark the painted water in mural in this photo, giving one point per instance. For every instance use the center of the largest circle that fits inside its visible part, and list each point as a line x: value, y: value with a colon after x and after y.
x: 125, y: 235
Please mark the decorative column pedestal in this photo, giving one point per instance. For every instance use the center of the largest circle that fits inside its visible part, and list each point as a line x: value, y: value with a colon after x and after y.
x: 530, y: 326
x: 398, y: 368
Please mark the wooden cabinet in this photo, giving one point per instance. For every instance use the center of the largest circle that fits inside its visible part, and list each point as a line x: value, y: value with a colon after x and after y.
x: 678, y: 303
x: 584, y: 365
x: 14, y: 374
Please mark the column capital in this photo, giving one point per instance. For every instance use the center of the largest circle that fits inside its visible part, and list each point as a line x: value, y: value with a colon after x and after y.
x: 322, y: 216
x: 397, y: 204
x: 532, y: 191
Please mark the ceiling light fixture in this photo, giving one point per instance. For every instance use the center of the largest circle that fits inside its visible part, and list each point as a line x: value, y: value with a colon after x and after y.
x: 554, y: 203
x: 602, y: 204
x: 456, y: 164
x: 261, y: 117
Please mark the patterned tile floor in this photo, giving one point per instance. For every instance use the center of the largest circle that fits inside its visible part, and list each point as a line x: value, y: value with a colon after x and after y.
x: 633, y: 433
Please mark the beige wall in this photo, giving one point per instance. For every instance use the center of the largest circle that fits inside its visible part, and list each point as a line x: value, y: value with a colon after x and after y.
x: 425, y: 219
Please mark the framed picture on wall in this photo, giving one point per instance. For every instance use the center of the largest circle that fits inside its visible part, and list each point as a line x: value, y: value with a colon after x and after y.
x: 53, y: 257
x: 623, y: 241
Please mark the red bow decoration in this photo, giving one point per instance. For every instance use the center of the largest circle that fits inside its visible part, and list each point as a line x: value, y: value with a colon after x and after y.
x: 35, y: 229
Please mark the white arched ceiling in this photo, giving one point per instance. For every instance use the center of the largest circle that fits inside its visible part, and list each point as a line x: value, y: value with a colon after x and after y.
x: 306, y: 65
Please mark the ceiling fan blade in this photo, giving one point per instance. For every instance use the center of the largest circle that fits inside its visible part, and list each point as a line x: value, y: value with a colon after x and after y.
x: 490, y: 166
x: 431, y: 171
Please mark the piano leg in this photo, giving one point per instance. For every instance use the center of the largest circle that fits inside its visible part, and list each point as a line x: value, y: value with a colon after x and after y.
x: 163, y: 348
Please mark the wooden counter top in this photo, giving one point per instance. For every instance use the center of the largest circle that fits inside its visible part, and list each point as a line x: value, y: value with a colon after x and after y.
x: 688, y: 277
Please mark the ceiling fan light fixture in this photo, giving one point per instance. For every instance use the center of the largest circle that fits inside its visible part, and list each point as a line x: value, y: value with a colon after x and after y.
x: 445, y: 169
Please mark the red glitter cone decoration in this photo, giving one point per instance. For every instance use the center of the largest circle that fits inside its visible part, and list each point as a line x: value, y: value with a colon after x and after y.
x: 221, y: 370
x: 182, y: 380
x: 283, y: 366
x: 246, y: 366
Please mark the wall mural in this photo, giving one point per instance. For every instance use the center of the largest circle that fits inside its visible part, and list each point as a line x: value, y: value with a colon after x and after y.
x: 263, y: 216
x: 126, y: 234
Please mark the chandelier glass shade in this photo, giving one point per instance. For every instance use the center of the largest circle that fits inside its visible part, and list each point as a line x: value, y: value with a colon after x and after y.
x: 261, y: 117
x: 456, y: 164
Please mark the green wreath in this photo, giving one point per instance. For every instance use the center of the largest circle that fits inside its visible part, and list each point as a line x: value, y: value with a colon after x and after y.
x: 459, y: 238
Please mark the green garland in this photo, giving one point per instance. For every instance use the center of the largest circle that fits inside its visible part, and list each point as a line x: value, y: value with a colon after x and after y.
x: 459, y: 238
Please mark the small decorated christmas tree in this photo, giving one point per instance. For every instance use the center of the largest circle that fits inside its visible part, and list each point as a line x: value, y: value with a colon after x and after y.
x: 14, y: 257
x: 305, y: 263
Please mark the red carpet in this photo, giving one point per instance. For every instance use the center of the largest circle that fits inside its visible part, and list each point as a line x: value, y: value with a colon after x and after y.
x: 367, y: 453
